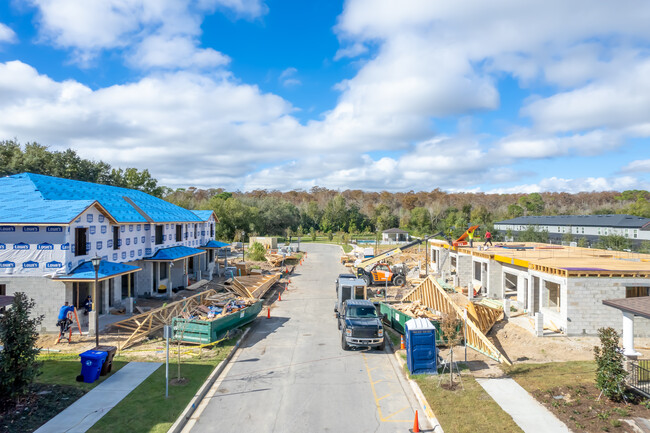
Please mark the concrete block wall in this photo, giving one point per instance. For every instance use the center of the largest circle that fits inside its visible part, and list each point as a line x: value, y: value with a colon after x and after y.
x: 586, y: 312
x: 48, y: 294
x: 559, y: 318
x: 495, y: 286
x: 464, y: 269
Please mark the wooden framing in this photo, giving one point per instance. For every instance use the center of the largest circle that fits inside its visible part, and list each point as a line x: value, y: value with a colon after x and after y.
x: 431, y: 294
x: 144, y: 324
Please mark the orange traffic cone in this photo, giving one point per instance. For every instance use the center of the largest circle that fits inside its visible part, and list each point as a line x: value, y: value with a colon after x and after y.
x: 286, y: 287
x: 289, y: 281
x: 416, y: 424
x: 268, y: 313
x: 280, y: 296
x: 401, y: 342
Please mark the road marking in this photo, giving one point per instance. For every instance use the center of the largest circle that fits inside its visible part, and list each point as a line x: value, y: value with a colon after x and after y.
x: 382, y: 418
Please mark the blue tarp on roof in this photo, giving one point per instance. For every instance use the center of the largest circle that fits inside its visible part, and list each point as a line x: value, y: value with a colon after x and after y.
x: 203, y: 214
x: 39, y: 192
x: 174, y: 253
x: 85, y: 271
x: 215, y: 244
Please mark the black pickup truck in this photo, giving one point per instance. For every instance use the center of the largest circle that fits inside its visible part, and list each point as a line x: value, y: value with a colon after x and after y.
x: 360, y: 325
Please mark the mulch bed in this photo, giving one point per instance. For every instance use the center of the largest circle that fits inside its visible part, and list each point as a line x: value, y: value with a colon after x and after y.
x: 43, y: 404
x: 580, y: 409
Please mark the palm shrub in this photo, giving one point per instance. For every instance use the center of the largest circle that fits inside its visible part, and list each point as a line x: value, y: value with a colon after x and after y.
x: 18, y: 364
x: 256, y: 252
x: 610, y: 374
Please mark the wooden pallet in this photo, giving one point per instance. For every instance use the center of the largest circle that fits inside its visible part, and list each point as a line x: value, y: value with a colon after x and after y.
x: 144, y: 324
x: 431, y: 294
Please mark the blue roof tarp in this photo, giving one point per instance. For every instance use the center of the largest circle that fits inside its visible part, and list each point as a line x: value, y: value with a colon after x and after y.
x: 54, y: 200
x: 174, y: 253
x: 85, y: 271
x: 203, y: 214
x: 215, y: 244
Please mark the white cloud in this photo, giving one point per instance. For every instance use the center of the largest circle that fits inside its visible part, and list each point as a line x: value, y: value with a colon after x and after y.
x: 152, y: 33
x: 587, y: 184
x: 527, y: 145
x: 638, y: 166
x: 288, y: 77
x: 7, y: 34
x: 353, y: 50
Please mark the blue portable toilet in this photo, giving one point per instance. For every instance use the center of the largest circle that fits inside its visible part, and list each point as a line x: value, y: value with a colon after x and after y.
x: 91, y: 364
x: 421, y: 346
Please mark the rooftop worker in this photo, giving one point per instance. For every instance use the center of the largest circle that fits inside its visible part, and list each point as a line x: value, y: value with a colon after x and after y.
x: 470, y: 236
x: 64, y: 321
x: 488, y: 238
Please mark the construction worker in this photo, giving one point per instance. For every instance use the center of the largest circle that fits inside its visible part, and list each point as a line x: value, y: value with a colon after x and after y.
x: 88, y: 305
x: 470, y: 236
x: 64, y: 321
x: 488, y: 238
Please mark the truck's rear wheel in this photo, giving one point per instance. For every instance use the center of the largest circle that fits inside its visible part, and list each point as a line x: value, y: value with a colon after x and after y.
x: 344, y: 344
x: 399, y: 280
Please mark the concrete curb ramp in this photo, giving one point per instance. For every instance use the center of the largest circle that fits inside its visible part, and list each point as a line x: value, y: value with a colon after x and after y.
x: 527, y: 412
x: 85, y: 412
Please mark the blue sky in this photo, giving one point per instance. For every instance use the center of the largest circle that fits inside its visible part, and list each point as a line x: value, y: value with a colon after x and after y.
x: 363, y: 94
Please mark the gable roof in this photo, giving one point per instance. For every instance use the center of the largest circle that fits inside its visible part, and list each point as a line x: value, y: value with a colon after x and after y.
x: 35, y: 198
x: 205, y: 214
x: 394, y: 231
x: 622, y: 221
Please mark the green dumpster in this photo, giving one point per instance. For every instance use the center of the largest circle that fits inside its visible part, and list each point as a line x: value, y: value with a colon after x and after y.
x: 397, y: 319
x: 209, y: 331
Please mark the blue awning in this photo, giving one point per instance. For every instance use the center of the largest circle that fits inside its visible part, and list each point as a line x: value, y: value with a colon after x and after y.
x: 86, y: 272
x: 215, y: 244
x: 172, y: 254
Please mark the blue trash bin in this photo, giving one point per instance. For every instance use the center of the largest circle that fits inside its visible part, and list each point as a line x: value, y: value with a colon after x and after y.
x: 91, y: 364
x: 421, y: 346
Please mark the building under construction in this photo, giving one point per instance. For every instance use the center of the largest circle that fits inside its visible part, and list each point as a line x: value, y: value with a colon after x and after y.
x: 567, y: 285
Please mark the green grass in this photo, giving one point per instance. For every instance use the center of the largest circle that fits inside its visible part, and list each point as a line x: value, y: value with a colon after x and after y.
x: 347, y: 248
x: 534, y: 377
x: 465, y: 410
x: 145, y: 409
x: 64, y: 369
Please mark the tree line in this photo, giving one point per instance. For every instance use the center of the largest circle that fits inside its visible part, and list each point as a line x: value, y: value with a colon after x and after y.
x: 326, y: 211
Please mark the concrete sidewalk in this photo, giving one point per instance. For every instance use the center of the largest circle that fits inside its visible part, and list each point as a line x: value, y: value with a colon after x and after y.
x: 85, y: 412
x: 527, y: 412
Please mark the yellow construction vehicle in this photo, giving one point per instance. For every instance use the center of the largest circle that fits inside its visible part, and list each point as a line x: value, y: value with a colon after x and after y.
x: 381, y: 272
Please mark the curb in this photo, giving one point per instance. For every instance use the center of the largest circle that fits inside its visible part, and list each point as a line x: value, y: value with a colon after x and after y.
x: 431, y: 417
x: 187, y: 413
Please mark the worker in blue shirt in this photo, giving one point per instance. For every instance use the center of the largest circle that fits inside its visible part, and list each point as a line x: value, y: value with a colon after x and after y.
x: 64, y: 321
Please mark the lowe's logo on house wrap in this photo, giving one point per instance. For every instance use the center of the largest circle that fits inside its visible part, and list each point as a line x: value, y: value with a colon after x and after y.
x: 30, y: 265
x: 21, y: 246
x: 7, y: 229
x: 147, y: 251
x: 89, y: 217
x: 65, y: 246
x: 100, y: 218
x: 99, y: 245
x: 3, y: 246
x: 7, y: 264
x: 30, y: 229
x: 147, y: 227
x: 92, y: 230
x: 54, y: 229
x: 45, y: 246
x: 53, y: 265
x: 103, y: 229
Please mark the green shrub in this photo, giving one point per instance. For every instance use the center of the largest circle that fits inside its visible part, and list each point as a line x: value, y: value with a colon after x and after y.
x: 610, y: 374
x: 256, y: 252
x: 18, y: 365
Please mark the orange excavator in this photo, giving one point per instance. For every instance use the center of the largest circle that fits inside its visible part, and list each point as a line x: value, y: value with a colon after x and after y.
x: 461, y: 240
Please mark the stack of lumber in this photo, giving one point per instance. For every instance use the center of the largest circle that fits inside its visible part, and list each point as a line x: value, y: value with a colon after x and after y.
x: 217, y: 306
x: 415, y: 309
x: 252, y: 286
x: 276, y: 259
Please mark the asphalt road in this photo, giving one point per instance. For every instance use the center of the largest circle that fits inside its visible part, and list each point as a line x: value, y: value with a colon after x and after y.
x: 291, y: 374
